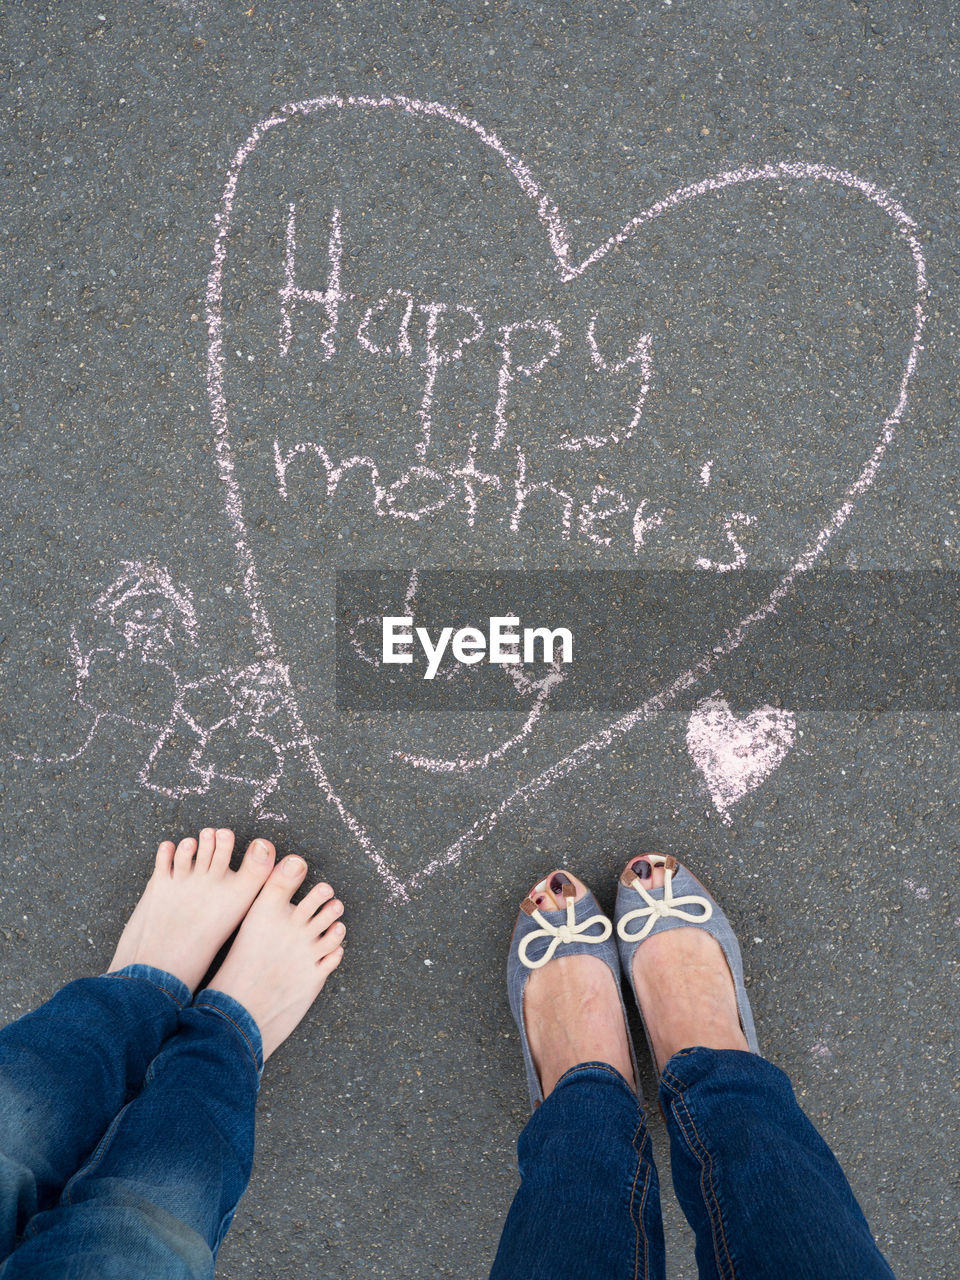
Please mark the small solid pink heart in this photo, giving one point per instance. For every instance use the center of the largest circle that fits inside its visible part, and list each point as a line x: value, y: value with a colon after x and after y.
x: 736, y: 755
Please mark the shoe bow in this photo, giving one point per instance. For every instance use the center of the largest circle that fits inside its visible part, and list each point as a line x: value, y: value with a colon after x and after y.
x: 657, y: 909
x: 561, y: 934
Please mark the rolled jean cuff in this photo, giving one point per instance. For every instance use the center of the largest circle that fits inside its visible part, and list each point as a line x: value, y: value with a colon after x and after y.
x: 596, y: 1073
x: 689, y: 1066
x: 233, y: 1012
x: 168, y: 983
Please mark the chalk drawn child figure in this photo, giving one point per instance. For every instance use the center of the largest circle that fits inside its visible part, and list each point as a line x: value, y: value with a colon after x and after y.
x: 247, y: 747
x: 141, y: 624
x: 127, y: 654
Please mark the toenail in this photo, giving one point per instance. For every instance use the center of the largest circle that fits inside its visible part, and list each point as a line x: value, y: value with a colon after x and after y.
x: 293, y: 866
x: 643, y: 868
x: 260, y: 851
x: 558, y: 881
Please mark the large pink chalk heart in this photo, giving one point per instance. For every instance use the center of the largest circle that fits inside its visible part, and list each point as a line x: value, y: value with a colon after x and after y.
x: 435, y: 336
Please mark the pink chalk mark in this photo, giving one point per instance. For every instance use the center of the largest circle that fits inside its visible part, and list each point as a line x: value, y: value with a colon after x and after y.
x: 736, y: 755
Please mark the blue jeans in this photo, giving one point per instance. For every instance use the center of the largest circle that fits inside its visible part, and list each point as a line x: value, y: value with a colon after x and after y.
x: 126, y: 1129
x: 761, y: 1189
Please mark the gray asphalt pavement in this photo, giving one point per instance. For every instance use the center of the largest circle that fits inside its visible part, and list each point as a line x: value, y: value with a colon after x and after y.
x: 270, y: 311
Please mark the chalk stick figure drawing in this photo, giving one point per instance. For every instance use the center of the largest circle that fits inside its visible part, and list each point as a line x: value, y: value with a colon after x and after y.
x: 125, y: 656
x: 247, y: 746
x: 127, y: 653
x: 246, y: 724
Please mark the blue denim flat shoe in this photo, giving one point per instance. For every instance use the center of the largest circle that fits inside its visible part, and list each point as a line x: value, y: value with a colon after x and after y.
x: 578, y: 928
x: 640, y: 912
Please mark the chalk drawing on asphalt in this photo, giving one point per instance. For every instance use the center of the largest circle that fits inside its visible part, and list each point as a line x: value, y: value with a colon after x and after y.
x: 735, y: 754
x: 265, y: 705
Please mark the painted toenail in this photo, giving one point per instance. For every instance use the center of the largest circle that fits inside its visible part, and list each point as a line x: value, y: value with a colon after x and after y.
x: 260, y: 851
x: 293, y: 866
x: 558, y: 881
x: 643, y: 868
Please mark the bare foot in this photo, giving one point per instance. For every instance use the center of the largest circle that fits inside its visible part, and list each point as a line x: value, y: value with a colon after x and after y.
x: 283, y: 953
x: 571, y: 1006
x: 192, y: 904
x: 684, y: 986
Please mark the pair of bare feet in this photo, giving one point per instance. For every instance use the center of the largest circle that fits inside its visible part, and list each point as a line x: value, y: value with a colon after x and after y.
x: 571, y: 1007
x: 193, y: 902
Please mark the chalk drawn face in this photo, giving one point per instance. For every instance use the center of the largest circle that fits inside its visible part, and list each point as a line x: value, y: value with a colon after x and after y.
x: 151, y: 614
x: 411, y: 365
x: 147, y: 624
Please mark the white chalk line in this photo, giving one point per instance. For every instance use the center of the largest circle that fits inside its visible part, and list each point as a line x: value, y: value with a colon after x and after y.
x: 549, y: 216
x: 464, y: 764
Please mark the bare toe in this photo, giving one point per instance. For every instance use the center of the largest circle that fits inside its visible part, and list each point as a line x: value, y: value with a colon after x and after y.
x: 311, y: 902
x: 285, y: 878
x: 205, y: 846
x: 193, y: 903
x: 327, y: 963
x: 325, y: 917
x: 224, y: 848
x: 183, y: 858
x: 163, y: 864
x: 283, y: 953
x: 257, y: 861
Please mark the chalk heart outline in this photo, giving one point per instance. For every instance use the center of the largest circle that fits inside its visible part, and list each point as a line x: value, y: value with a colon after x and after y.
x: 548, y: 214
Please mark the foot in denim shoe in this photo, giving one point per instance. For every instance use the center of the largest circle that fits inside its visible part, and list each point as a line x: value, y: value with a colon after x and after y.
x: 684, y: 986
x: 192, y: 904
x: 284, y: 953
x: 571, y: 1006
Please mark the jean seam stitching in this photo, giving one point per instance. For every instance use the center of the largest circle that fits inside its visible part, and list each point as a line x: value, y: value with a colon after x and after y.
x: 197, y: 1004
x: 711, y: 1202
x: 638, y: 1226
x: 129, y: 977
x: 96, y: 1156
